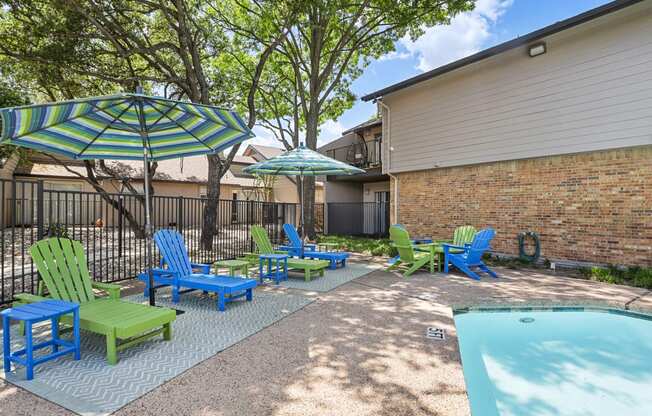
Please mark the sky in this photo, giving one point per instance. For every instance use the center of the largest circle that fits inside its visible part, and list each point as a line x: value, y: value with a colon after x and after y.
x: 490, y: 23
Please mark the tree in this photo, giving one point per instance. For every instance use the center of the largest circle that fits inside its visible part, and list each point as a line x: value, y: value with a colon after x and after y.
x: 262, y: 189
x: 166, y: 43
x: 327, y: 47
x: 46, y: 80
x: 10, y: 96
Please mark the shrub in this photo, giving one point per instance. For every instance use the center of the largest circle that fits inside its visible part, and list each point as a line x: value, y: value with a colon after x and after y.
x: 608, y: 275
x: 643, y: 278
x: 57, y: 230
x: 364, y: 245
x: 633, y: 276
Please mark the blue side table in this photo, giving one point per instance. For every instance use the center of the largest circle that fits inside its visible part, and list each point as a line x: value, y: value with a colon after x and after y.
x: 274, y: 269
x: 31, y: 314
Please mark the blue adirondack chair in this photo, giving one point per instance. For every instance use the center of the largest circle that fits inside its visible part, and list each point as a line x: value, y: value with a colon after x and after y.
x: 298, y: 249
x: 472, y: 255
x: 180, y: 273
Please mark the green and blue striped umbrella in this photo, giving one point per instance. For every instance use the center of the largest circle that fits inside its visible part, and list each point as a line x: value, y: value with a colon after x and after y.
x: 120, y: 126
x: 302, y: 162
x: 124, y: 126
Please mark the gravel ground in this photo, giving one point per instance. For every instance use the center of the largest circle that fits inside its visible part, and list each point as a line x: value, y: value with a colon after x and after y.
x: 358, y: 350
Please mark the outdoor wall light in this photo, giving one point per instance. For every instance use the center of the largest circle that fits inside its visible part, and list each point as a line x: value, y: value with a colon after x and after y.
x: 537, y: 49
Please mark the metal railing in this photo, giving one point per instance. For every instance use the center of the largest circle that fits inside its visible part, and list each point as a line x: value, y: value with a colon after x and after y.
x: 362, y: 155
x: 358, y: 218
x: 111, y: 230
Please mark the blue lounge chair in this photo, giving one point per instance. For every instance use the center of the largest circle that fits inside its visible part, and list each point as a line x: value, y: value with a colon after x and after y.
x: 298, y: 249
x: 181, y: 273
x: 471, y: 257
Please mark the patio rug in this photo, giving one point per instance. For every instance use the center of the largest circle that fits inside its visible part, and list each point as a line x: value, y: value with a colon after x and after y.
x: 92, y: 387
x: 331, y: 278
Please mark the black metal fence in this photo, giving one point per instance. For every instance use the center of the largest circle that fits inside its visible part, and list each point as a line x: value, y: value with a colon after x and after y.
x: 111, y: 229
x: 358, y: 218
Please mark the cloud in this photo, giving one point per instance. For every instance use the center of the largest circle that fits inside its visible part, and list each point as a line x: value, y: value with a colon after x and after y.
x: 395, y: 55
x: 329, y: 131
x: 466, y: 35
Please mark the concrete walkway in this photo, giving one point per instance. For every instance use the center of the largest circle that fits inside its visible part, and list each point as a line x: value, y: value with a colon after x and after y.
x: 358, y: 350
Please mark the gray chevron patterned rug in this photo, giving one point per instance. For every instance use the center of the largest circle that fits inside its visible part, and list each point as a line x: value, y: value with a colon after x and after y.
x: 92, y: 387
x: 331, y: 278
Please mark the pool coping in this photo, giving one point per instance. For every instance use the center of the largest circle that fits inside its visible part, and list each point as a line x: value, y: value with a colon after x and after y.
x: 541, y: 305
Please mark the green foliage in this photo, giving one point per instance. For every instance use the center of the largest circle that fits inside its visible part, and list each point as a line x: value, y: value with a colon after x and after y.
x: 363, y: 245
x: 329, y: 43
x: 10, y: 96
x: 47, y: 48
x: 632, y: 276
x: 57, y: 230
x: 642, y: 277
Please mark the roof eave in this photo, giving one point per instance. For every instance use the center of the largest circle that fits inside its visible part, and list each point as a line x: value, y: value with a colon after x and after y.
x: 362, y: 126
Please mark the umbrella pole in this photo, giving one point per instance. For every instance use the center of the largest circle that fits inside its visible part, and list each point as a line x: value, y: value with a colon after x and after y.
x: 301, y: 193
x: 148, y: 232
x: 148, y: 218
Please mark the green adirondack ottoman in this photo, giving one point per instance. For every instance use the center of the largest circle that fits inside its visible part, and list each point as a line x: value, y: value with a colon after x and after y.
x: 62, y: 265
x: 408, y: 255
x: 264, y: 246
x: 461, y: 236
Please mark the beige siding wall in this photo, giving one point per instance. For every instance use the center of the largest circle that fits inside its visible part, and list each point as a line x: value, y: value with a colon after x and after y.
x: 285, y: 191
x: 592, y: 90
x: 370, y: 189
x: 343, y: 191
x: 188, y: 190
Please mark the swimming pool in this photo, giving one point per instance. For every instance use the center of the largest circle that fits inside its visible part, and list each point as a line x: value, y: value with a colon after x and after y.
x: 558, y: 361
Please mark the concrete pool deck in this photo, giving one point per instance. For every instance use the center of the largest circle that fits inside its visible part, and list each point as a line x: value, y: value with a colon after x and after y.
x: 359, y: 350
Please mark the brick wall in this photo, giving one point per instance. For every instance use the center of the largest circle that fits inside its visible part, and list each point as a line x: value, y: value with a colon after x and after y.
x: 591, y: 207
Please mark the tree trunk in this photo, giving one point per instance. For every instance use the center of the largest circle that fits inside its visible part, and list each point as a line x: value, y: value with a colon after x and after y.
x: 209, y: 225
x: 309, y: 206
x: 138, y: 229
x: 118, y: 204
x: 312, y: 126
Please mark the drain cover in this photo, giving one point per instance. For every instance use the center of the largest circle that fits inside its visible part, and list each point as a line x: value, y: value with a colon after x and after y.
x: 527, y: 320
x: 435, y: 333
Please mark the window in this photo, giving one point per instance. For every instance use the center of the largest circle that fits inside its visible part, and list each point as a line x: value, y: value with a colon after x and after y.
x: 382, y: 196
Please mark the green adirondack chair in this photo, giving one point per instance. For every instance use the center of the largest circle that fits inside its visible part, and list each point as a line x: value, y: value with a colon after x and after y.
x: 461, y: 236
x: 62, y: 265
x: 308, y: 266
x: 409, y: 256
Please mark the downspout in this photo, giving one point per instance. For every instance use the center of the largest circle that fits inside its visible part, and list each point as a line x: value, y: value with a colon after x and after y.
x: 388, y: 141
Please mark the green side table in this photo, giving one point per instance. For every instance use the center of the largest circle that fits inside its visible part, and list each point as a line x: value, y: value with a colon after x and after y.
x: 233, y: 265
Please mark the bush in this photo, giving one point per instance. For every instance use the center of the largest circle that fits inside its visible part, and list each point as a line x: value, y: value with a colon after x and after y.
x: 57, y: 230
x: 643, y: 278
x: 633, y: 276
x: 363, y: 245
x: 608, y: 275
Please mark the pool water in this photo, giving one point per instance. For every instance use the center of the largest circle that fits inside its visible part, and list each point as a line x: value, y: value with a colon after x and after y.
x: 566, y: 362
